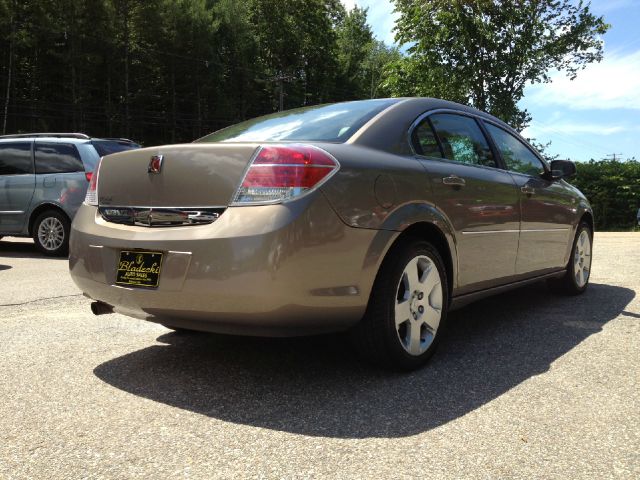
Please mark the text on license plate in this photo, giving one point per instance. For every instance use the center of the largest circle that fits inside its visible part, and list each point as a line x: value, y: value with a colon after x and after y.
x: 139, y: 268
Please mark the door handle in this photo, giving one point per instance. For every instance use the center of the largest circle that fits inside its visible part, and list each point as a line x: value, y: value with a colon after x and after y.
x: 528, y: 190
x: 454, y: 181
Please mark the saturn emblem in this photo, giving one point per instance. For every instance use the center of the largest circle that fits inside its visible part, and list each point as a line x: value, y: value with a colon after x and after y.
x: 155, y: 164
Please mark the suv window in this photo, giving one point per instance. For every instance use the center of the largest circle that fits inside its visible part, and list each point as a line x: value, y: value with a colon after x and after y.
x: 57, y: 158
x: 462, y: 140
x: 107, y: 147
x: 15, y: 158
x: 516, y: 155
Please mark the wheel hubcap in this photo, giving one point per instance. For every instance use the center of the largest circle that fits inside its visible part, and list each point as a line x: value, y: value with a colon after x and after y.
x: 51, y: 233
x: 418, y: 305
x: 582, y: 259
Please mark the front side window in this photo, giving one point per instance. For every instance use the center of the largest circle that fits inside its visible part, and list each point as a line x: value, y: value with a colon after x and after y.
x: 15, y: 158
x: 462, y: 140
x: 516, y: 155
x: 57, y: 158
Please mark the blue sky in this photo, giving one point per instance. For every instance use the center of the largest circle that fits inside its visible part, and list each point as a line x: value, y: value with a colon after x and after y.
x: 593, y: 116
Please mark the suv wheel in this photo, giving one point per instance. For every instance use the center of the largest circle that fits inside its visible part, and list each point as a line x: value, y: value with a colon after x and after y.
x: 407, y: 309
x: 51, y: 233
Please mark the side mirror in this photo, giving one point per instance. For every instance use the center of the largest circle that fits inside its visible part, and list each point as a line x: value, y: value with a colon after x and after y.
x: 562, y: 169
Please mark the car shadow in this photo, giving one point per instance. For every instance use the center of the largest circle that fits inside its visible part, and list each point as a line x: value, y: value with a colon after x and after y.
x: 21, y: 249
x: 317, y: 386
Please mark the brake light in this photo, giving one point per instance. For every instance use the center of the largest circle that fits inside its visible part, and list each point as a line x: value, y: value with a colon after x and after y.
x: 92, y: 191
x: 284, y: 172
x: 88, y: 175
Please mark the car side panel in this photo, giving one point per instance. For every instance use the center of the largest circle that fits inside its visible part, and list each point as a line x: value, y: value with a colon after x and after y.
x: 485, y: 216
x: 65, y: 191
x: 16, y: 192
x: 549, y: 217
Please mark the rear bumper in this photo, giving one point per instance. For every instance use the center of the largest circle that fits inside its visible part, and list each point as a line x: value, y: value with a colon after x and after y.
x: 262, y: 270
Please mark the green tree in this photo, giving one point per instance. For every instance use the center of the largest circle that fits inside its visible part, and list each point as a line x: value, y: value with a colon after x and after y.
x: 613, y: 188
x: 484, y: 52
x: 354, y: 42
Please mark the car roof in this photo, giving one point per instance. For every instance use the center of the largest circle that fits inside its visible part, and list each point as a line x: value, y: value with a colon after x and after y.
x: 387, y: 131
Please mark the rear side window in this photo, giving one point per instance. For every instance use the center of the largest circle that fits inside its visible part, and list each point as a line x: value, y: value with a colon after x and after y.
x: 462, y: 140
x: 516, y: 155
x: 15, y: 158
x: 57, y: 158
x: 425, y: 141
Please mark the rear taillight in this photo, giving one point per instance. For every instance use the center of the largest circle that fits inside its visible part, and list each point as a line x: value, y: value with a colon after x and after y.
x: 92, y: 191
x: 88, y: 175
x: 284, y: 172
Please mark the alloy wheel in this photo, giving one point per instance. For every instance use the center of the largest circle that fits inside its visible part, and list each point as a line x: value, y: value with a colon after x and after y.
x: 582, y: 259
x: 418, y: 306
x: 51, y: 233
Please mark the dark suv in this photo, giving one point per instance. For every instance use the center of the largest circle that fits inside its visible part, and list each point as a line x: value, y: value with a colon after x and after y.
x: 43, y: 181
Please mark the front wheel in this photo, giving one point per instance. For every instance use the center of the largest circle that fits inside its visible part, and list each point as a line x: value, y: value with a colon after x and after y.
x: 51, y: 233
x: 407, y: 308
x: 576, y: 280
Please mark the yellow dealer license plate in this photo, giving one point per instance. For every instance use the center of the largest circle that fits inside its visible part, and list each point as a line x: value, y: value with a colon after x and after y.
x: 139, y: 269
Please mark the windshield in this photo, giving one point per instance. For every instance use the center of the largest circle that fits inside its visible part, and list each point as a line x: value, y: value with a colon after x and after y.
x: 324, y: 123
x: 107, y: 147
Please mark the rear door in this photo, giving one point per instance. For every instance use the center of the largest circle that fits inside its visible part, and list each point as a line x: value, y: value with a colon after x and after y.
x: 61, y: 175
x: 17, y: 183
x: 479, y: 199
x: 548, y: 207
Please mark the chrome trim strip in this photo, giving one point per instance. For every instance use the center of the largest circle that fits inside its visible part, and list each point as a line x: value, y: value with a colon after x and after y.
x: 160, y: 216
x: 490, y: 231
x: 11, y: 212
x: 516, y: 231
x: 156, y: 207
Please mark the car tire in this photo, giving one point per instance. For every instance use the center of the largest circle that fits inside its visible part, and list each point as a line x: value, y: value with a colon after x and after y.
x: 51, y: 233
x: 576, y: 279
x: 384, y: 336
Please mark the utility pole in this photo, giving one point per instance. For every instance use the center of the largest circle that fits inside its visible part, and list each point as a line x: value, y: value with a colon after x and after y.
x: 614, y: 156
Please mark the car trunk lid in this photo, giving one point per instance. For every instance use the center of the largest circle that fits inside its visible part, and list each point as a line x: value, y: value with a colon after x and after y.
x: 190, y: 175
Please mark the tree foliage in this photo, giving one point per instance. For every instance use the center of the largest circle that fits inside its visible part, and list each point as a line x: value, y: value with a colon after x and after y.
x: 613, y: 188
x: 172, y: 70
x: 484, y: 52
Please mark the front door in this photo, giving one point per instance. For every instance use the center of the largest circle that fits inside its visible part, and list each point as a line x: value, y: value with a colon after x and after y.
x: 547, y: 206
x: 17, y: 183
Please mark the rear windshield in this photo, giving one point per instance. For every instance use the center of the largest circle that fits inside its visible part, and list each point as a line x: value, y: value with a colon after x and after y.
x: 107, y: 147
x: 323, y: 123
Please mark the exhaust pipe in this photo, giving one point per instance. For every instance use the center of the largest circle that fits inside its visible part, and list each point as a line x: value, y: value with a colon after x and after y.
x: 101, y: 308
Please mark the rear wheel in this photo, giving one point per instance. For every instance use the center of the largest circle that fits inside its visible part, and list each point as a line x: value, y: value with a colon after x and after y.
x: 407, y: 309
x: 51, y: 233
x: 576, y: 280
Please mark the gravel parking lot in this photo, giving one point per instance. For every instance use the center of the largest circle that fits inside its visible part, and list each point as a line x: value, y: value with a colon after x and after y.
x: 525, y: 385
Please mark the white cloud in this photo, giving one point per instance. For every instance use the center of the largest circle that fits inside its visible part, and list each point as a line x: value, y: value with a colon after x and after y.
x: 576, y: 128
x: 612, y: 83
